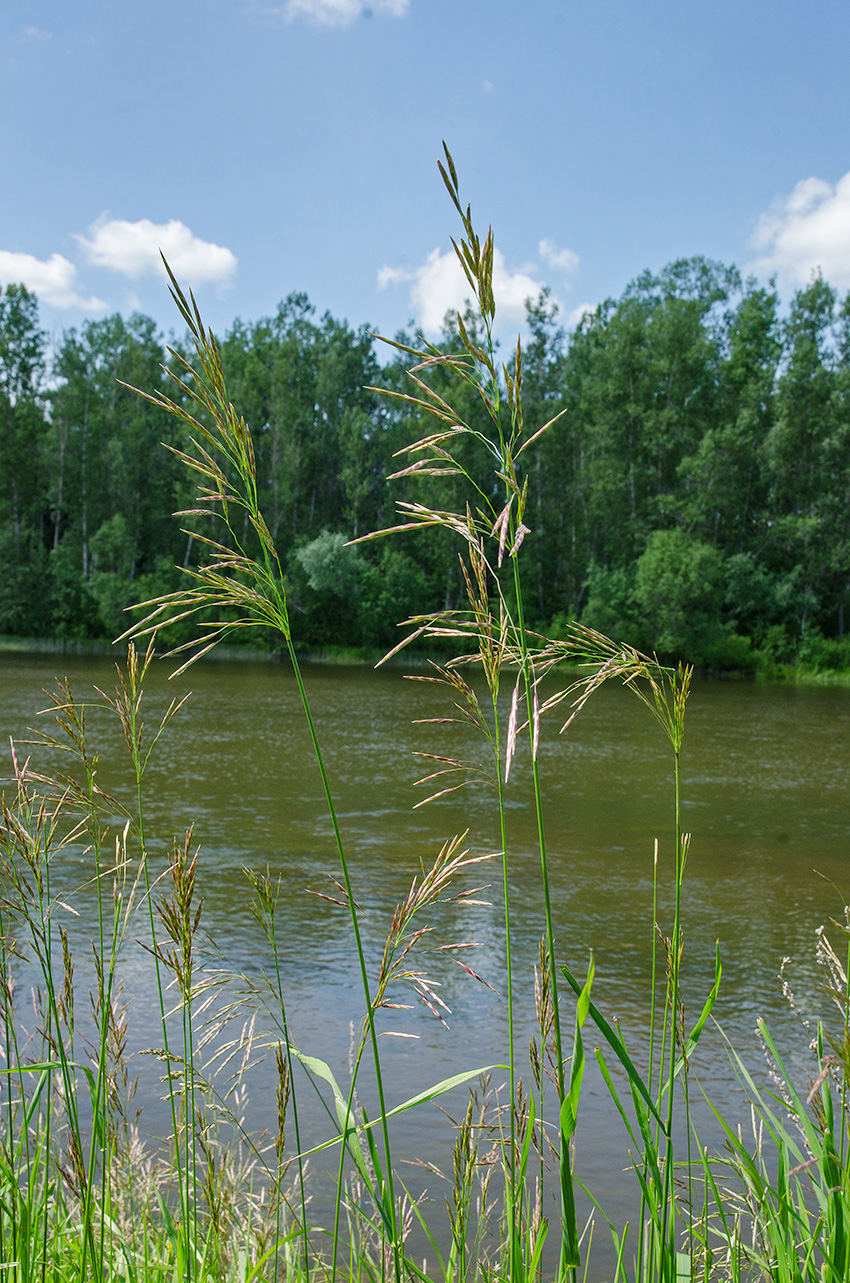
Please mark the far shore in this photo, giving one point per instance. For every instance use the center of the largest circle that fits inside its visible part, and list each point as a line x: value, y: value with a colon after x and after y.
x: 338, y: 655
x: 360, y: 656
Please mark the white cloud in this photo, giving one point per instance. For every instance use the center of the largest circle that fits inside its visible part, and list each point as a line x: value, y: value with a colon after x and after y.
x: 35, y: 33
x: 52, y: 279
x: 339, y: 13
x: 134, y: 250
x: 439, y: 286
x: 392, y: 276
x: 564, y: 260
x: 806, y: 231
x: 576, y: 313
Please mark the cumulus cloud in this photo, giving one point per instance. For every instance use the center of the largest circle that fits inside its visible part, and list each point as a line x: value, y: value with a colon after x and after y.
x: 338, y: 13
x: 52, y: 279
x: 806, y: 231
x: 563, y: 260
x: 439, y: 286
x: 134, y: 250
x: 575, y: 314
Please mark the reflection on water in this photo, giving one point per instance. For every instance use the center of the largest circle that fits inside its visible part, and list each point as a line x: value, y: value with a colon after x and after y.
x: 765, y: 774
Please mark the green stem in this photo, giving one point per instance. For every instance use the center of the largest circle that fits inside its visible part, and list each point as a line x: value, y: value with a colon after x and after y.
x: 8, y: 1028
x: 282, y: 1005
x: 191, y: 1224
x: 344, y: 1145
x: 100, y: 1101
x: 529, y: 703
x: 361, y: 957
x: 514, y: 1197
x: 844, y: 1073
x: 652, y: 1014
x: 563, y: 1269
x: 66, y: 1063
x: 668, y: 1226
x: 139, y: 772
x: 541, y: 835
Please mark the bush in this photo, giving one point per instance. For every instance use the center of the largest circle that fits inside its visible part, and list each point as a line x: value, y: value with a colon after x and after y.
x: 75, y: 614
x: 679, y: 588
x: 392, y: 591
x: 824, y: 653
x: 611, y: 606
x: 325, y: 582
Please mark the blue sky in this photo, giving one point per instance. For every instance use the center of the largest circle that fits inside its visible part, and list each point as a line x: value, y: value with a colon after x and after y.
x: 280, y: 145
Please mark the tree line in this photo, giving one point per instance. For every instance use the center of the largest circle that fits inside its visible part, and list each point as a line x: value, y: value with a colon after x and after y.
x: 694, y: 498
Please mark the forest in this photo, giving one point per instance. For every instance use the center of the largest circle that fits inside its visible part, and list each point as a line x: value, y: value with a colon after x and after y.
x: 694, y: 496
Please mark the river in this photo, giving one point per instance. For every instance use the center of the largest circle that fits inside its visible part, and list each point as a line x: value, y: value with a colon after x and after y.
x: 765, y: 772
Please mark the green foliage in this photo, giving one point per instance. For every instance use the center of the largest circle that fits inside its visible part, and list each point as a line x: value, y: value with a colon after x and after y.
x: 24, y: 561
x: 611, y: 602
x: 110, y: 582
x: 824, y: 654
x: 325, y: 580
x: 332, y: 569
x: 392, y: 589
x: 74, y: 612
x: 694, y: 409
x: 679, y: 591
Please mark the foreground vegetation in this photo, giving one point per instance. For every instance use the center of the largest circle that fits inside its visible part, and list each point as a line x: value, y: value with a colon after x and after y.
x: 692, y: 501
x: 80, y: 1198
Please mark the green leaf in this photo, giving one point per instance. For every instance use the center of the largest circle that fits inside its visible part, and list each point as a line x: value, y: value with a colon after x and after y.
x: 37, y: 1068
x: 609, y: 1082
x: 708, y: 1007
x: 321, y: 1070
x: 617, y: 1045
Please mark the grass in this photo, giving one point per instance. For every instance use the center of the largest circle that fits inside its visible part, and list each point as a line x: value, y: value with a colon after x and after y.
x: 81, y: 1197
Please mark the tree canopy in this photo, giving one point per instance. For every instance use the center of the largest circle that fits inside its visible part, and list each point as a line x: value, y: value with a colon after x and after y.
x: 695, y: 496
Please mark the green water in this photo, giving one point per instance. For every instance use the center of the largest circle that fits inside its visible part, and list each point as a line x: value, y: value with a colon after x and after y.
x: 765, y: 784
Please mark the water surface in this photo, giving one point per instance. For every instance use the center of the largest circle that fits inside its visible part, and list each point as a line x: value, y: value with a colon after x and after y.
x: 765, y: 774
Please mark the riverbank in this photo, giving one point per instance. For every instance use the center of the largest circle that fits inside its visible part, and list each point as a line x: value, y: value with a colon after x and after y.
x: 358, y: 656
x: 369, y: 657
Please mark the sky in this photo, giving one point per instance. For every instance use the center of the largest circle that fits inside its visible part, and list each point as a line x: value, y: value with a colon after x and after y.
x: 272, y: 146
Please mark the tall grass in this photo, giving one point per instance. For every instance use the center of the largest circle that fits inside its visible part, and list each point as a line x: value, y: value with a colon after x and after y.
x: 80, y: 1196
x: 491, y: 531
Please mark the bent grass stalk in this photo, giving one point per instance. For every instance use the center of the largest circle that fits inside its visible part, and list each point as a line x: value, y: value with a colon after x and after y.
x: 254, y: 588
x: 496, y: 642
x: 664, y: 691
x: 666, y: 696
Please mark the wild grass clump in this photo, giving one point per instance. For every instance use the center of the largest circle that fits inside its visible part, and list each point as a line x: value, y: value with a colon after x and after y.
x: 82, y: 1196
